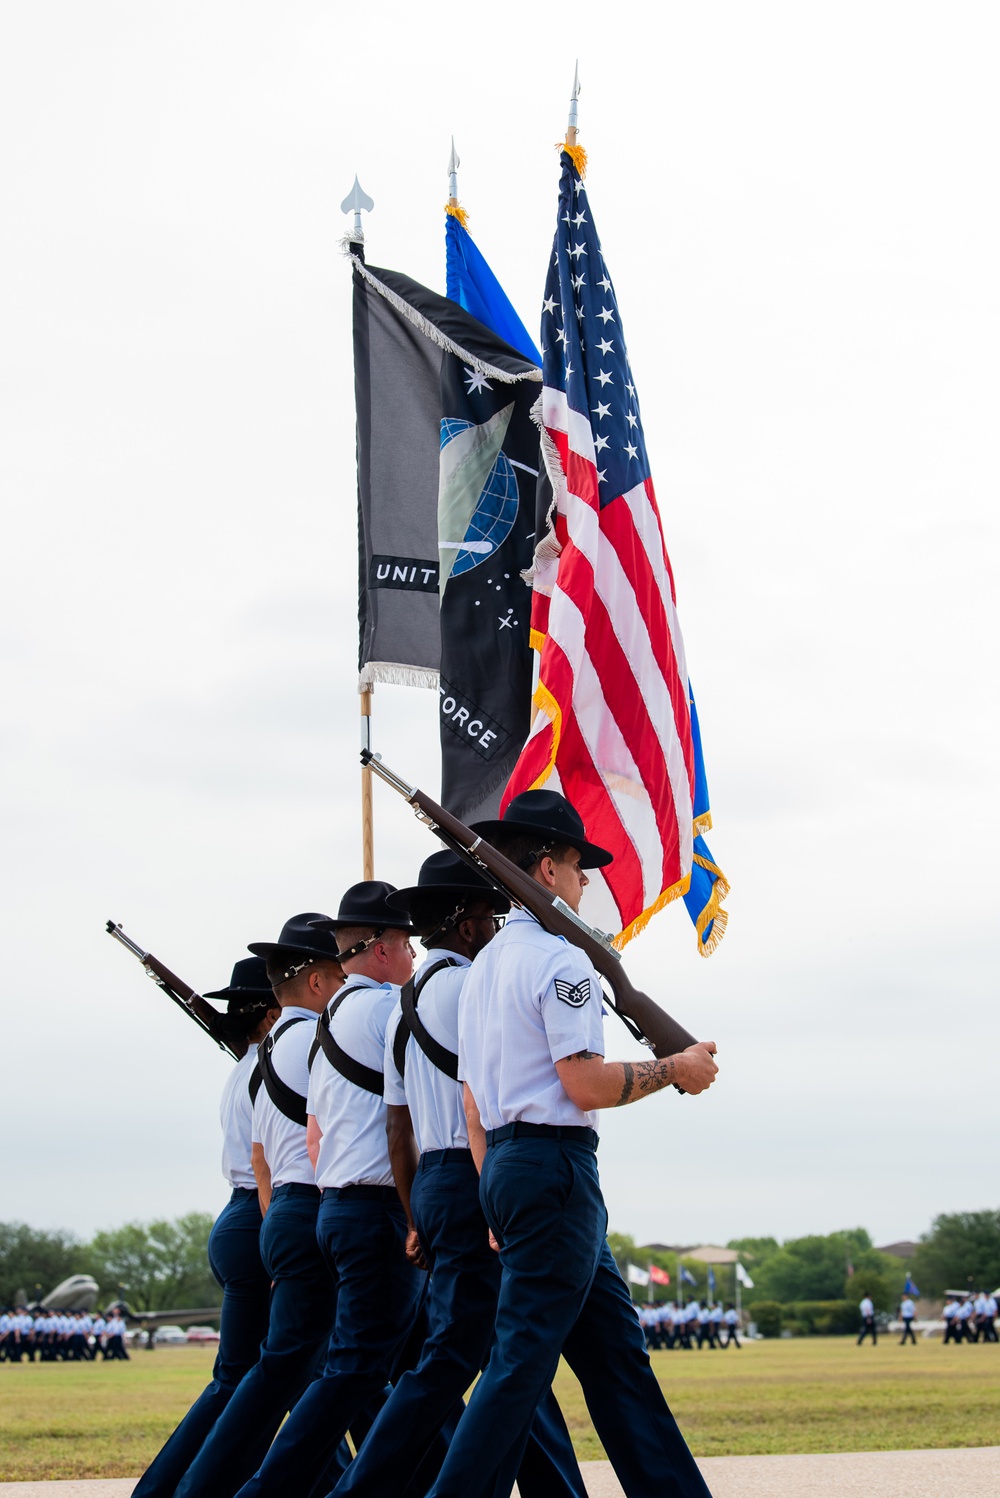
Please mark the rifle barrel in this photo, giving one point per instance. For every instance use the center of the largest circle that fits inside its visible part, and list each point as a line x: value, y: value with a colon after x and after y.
x: 640, y: 1013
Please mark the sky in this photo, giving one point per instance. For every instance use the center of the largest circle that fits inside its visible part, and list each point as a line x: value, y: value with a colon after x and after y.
x: 797, y: 206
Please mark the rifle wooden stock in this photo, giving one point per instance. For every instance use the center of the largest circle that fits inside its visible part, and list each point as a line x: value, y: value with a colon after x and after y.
x: 660, y: 1031
x: 204, y: 1014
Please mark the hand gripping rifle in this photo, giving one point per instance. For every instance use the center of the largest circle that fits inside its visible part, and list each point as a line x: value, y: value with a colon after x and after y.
x: 644, y: 1018
x: 204, y: 1014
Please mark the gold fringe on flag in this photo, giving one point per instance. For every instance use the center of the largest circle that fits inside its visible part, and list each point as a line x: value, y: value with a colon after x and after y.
x: 455, y: 210
x: 577, y: 156
x: 713, y: 914
x: 634, y: 927
x: 546, y: 703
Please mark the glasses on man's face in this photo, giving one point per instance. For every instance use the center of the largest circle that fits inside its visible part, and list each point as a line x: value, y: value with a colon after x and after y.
x: 497, y: 921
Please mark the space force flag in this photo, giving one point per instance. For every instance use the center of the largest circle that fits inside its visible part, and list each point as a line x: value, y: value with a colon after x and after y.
x: 637, y: 1276
x: 448, y: 460
x: 743, y: 1277
x: 615, y: 728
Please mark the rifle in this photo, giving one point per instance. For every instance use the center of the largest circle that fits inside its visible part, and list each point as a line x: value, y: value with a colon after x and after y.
x: 644, y: 1018
x: 204, y: 1014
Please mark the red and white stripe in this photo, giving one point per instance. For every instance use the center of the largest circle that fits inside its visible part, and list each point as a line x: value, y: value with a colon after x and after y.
x: 613, y: 723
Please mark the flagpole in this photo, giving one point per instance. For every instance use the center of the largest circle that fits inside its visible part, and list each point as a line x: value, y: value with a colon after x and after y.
x: 357, y: 202
x: 649, y: 1286
x: 454, y: 162
x: 367, y: 806
x: 571, y: 128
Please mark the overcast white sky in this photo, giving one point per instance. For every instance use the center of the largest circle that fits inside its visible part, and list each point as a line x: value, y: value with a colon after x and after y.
x: 798, y: 207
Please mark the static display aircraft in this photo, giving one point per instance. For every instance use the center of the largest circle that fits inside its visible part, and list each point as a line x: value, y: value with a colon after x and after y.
x: 80, y: 1293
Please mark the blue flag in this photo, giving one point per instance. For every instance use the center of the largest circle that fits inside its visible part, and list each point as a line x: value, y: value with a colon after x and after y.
x: 711, y: 1282
x: 910, y: 1288
x: 473, y: 286
x: 708, y: 886
x: 686, y: 1277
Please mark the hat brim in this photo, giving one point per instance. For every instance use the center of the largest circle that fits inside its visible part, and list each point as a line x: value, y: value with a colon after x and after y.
x: 238, y: 993
x: 335, y: 923
x: 267, y: 949
x: 591, y: 856
x: 415, y: 894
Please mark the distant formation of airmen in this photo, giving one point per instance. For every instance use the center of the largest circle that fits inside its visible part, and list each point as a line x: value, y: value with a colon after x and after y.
x: 693, y: 1325
x: 60, y: 1336
x: 971, y: 1318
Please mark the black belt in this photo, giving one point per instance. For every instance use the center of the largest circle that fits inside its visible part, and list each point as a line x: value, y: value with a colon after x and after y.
x: 239, y: 1191
x: 361, y: 1194
x: 295, y: 1188
x: 445, y: 1157
x: 568, y: 1133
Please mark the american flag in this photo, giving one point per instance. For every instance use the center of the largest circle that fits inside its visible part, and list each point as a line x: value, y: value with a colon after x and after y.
x: 613, y: 730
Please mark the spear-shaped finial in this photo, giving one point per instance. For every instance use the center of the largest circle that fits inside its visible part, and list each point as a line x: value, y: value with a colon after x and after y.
x: 574, y: 96
x: 453, y: 207
x: 356, y: 201
x: 454, y: 162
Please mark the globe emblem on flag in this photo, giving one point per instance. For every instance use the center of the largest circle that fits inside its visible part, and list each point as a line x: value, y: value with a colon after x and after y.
x: 465, y: 451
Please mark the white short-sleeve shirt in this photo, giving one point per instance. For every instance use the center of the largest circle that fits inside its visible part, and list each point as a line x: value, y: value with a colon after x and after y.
x: 530, y: 999
x: 353, y: 1150
x: 282, y: 1140
x: 435, y: 1101
x: 867, y: 1307
x: 236, y: 1117
x: 907, y: 1309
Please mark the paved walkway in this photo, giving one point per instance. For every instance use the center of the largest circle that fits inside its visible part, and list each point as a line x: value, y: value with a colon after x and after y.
x: 969, y: 1472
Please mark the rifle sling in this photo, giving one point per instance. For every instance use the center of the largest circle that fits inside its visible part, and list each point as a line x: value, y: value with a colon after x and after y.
x: 412, y: 1024
x: 287, y: 1101
x: 365, y: 1077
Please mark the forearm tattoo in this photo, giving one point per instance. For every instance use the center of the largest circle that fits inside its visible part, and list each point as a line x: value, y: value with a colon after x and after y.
x: 645, y: 1076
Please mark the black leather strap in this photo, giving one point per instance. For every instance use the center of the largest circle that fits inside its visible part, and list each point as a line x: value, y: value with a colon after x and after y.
x: 412, y: 1024
x: 287, y: 1101
x: 365, y: 1077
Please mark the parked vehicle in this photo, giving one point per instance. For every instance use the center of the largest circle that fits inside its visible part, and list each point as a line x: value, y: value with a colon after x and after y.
x: 202, y: 1334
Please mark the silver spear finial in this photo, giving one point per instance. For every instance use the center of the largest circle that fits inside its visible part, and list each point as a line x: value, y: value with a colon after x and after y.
x: 574, y: 96
x: 356, y: 201
x: 454, y: 162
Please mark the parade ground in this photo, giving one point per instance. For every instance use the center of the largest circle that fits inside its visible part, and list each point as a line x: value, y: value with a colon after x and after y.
x: 801, y: 1416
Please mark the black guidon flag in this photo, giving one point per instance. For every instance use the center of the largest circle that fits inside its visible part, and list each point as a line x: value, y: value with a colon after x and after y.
x: 448, y: 464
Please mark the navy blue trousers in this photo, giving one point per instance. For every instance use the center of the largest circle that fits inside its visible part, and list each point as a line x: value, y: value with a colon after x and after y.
x: 362, y: 1233
x: 234, y: 1256
x: 302, y: 1309
x: 461, y: 1307
x: 561, y: 1291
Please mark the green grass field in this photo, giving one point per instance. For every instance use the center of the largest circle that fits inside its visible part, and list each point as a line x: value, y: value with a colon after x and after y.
x: 816, y: 1394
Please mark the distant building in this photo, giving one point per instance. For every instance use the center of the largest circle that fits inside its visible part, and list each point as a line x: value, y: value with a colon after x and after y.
x: 905, y: 1249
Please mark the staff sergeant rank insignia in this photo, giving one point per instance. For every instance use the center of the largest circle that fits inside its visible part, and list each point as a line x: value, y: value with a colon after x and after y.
x: 573, y: 994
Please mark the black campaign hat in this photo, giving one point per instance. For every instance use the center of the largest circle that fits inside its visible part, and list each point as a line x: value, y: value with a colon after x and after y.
x: 300, y: 937
x: 367, y: 904
x: 248, y: 986
x: 548, y: 816
x: 443, y: 877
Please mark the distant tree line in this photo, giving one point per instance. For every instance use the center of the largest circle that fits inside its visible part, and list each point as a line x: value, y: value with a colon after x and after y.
x: 164, y: 1264
x: 153, y: 1265
x: 962, y: 1249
